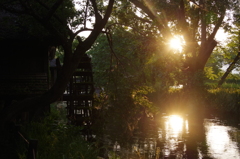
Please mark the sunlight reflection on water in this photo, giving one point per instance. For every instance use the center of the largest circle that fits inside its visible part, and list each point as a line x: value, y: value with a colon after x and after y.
x: 221, y: 140
x: 173, y: 135
x: 220, y: 144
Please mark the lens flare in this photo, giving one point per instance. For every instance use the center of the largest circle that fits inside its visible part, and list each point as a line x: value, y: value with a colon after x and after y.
x: 177, y: 43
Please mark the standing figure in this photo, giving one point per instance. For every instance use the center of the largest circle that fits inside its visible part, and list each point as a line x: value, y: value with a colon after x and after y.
x: 54, y: 64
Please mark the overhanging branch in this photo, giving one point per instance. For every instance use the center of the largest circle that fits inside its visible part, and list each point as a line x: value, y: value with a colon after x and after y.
x: 161, y: 23
x: 229, y: 70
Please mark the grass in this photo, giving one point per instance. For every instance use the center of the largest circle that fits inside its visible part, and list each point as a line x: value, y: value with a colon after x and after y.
x: 57, y: 140
x: 225, y: 98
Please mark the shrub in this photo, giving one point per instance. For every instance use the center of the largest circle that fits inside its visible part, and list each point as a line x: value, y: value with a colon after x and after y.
x: 57, y: 140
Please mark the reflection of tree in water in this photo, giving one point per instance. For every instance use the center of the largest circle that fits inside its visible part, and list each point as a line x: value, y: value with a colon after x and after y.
x: 145, y: 138
x: 143, y: 144
x: 145, y: 148
x: 196, y: 141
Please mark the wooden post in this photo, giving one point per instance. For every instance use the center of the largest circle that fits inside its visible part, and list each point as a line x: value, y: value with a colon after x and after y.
x: 32, y: 149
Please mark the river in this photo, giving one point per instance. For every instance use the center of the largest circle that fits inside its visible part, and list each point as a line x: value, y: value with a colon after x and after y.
x: 219, y: 139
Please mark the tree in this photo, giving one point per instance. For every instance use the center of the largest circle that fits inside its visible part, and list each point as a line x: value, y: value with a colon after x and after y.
x: 196, y: 21
x: 122, y: 72
x: 129, y: 64
x: 58, y: 18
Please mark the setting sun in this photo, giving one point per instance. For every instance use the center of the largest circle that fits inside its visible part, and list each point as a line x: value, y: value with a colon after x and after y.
x: 176, y: 43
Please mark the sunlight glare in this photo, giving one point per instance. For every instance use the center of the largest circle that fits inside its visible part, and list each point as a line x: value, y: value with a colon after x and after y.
x: 177, y: 43
x: 176, y: 123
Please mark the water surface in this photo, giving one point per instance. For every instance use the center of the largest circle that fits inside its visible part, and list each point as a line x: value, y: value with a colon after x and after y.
x: 220, y: 141
x: 175, y: 138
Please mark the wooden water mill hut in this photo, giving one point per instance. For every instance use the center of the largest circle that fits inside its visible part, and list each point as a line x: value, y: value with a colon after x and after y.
x: 25, y: 70
x: 79, y: 94
x: 24, y: 66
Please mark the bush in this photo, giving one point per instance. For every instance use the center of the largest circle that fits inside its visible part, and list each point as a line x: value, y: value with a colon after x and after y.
x: 57, y: 140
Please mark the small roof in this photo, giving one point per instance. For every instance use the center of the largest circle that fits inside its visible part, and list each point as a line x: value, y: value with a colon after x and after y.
x: 11, y: 29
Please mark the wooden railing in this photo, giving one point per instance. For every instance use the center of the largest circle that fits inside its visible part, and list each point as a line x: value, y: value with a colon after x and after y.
x: 32, y: 145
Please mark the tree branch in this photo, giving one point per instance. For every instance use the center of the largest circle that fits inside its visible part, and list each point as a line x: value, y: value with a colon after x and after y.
x: 144, y: 8
x: 85, y: 19
x: 217, y: 26
x: 208, y: 46
x: 99, y: 25
x: 197, y: 5
x: 98, y: 17
x: 229, y: 70
x: 203, y: 23
x: 161, y: 24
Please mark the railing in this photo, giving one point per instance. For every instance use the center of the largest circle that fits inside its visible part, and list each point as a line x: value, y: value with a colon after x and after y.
x: 32, y: 145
